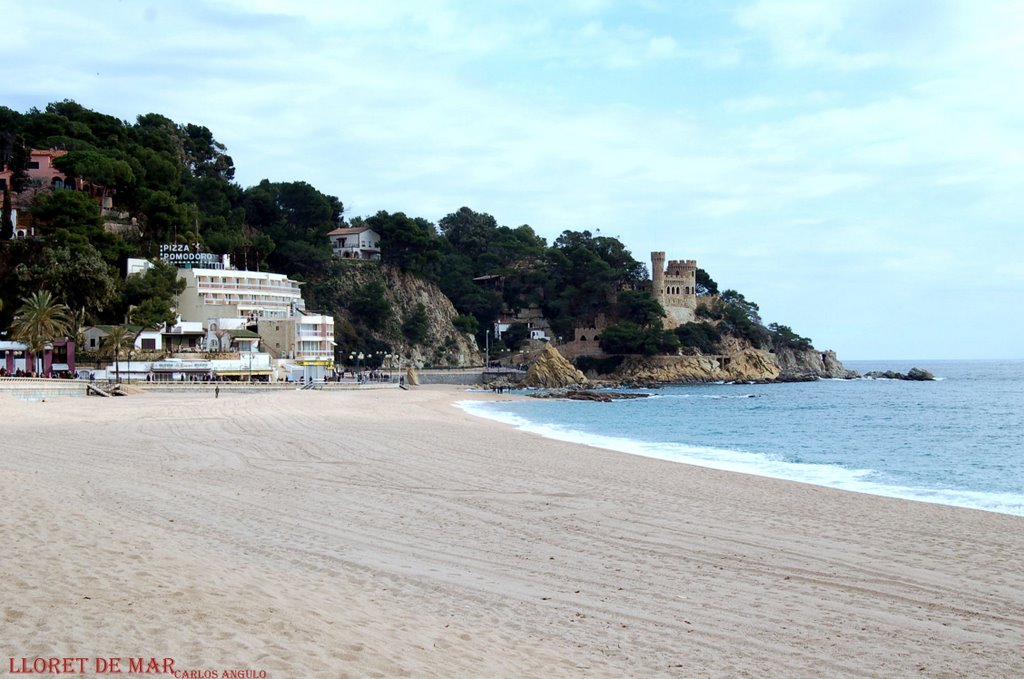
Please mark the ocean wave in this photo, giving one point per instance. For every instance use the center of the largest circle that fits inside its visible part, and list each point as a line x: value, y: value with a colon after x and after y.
x: 759, y: 464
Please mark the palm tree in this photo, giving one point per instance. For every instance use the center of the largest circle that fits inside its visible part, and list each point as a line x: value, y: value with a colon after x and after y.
x: 120, y: 337
x: 39, y: 320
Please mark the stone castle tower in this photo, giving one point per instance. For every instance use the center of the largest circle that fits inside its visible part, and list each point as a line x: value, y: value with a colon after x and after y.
x: 675, y: 288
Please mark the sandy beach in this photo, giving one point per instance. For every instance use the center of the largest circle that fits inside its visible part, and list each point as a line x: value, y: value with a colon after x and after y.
x: 389, y: 534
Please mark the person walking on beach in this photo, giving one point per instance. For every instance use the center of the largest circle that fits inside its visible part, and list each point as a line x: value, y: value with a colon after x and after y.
x: 216, y: 391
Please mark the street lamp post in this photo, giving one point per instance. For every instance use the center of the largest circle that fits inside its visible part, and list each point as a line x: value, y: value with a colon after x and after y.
x: 131, y: 354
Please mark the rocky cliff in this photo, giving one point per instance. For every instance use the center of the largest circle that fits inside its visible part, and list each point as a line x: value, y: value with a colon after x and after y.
x: 811, y: 363
x: 404, y: 295
x: 738, y: 362
x: 749, y: 365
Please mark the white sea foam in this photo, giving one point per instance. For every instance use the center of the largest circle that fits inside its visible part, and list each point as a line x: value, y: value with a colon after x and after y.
x: 758, y: 464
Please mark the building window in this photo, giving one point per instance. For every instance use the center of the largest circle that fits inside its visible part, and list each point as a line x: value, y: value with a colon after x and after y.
x: 33, y: 165
x: 148, y: 344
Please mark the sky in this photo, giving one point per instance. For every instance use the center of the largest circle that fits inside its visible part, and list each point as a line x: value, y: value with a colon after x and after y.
x: 855, y: 167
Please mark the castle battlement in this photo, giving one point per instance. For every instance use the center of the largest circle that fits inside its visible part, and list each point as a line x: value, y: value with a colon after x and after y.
x: 681, y: 267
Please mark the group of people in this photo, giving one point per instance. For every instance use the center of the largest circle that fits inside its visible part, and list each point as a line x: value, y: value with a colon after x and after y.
x: 362, y: 377
x: 55, y: 374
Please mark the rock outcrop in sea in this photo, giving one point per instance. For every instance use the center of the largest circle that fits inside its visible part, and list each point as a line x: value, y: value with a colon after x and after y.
x: 551, y: 370
x: 912, y: 375
x: 811, y: 364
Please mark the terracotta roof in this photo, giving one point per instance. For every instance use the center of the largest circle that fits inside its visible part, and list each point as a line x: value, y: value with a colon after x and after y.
x: 349, y: 231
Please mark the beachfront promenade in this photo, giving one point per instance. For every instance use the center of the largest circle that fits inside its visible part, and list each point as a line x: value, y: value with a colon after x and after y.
x: 34, y: 388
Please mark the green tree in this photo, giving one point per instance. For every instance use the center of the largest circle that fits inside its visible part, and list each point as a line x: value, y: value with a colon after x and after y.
x: 783, y: 337
x: 149, y: 297
x: 14, y: 156
x: 204, y: 155
x: 96, y: 168
x: 410, y: 244
x: 369, y: 304
x: 466, y: 323
x: 704, y: 337
x: 749, y: 309
x: 6, y: 218
x: 468, y: 232
x: 79, y: 277
x: 120, y: 339
x: 586, y: 273
x: 163, y: 217
x: 639, y: 307
x: 71, y: 219
x: 40, y: 319
x: 737, y: 316
x: 416, y: 326
x: 297, y: 218
x: 516, y: 335
x: 705, y: 284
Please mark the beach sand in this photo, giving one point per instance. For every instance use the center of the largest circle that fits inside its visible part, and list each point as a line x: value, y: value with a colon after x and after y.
x: 389, y: 534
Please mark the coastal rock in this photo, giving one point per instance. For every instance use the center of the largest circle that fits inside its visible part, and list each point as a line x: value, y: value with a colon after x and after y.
x: 913, y: 375
x: 551, y: 370
x: 835, y: 369
x: 587, y: 395
x: 748, y: 365
x: 798, y: 365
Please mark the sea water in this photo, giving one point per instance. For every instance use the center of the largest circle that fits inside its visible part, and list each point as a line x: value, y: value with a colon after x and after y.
x: 958, y: 440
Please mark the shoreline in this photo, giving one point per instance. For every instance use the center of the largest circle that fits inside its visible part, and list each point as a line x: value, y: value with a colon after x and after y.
x: 839, y: 478
x: 351, y: 533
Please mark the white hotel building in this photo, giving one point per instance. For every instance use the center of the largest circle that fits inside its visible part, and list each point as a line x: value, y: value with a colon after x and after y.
x: 221, y: 293
x: 272, y: 302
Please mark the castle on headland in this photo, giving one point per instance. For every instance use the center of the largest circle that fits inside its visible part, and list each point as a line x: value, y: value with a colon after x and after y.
x: 675, y: 288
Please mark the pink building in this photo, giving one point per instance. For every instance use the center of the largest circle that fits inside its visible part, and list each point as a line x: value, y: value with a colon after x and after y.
x: 41, y: 170
x: 58, y: 357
